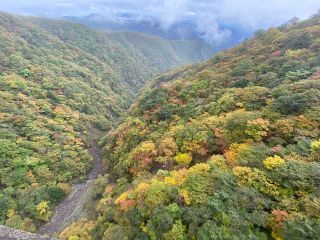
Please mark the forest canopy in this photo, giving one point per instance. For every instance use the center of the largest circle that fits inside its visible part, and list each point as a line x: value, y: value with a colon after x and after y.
x: 58, y: 80
x: 226, y: 149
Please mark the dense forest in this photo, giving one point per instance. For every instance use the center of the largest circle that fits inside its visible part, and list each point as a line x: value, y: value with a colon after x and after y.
x: 225, y: 149
x: 58, y: 80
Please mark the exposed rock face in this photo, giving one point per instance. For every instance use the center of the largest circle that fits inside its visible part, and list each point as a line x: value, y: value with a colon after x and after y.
x: 13, y: 234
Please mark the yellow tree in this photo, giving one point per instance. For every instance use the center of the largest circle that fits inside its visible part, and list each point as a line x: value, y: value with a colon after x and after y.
x: 183, y: 159
x: 43, y: 211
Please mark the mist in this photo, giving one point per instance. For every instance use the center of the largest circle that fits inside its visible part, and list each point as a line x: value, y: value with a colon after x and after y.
x: 211, y: 18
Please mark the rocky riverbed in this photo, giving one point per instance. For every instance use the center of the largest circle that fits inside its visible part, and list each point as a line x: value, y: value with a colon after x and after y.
x: 77, y: 204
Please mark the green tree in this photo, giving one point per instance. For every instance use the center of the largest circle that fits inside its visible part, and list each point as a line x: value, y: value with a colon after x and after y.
x: 177, y: 232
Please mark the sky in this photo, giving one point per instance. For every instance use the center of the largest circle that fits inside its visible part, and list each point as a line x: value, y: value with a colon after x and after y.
x: 209, y: 16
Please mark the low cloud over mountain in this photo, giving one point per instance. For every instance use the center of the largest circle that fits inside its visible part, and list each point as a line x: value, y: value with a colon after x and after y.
x: 214, y: 21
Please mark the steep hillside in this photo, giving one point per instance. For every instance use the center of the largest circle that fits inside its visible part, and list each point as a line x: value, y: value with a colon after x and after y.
x: 56, y: 79
x: 226, y: 149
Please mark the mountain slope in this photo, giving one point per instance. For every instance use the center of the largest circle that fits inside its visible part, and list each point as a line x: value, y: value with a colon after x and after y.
x: 56, y: 80
x: 225, y: 149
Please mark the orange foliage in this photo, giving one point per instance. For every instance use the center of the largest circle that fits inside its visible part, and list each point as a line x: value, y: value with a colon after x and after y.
x: 125, y: 205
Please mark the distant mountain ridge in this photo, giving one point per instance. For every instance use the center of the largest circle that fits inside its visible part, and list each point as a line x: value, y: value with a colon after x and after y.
x: 182, y: 30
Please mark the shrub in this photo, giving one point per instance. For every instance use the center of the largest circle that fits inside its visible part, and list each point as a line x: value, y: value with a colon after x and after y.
x: 273, y: 162
x: 300, y: 40
x: 291, y: 103
x: 243, y: 68
x: 315, y: 145
x: 177, y: 232
x: 43, y: 211
x: 297, y: 75
x: 183, y: 159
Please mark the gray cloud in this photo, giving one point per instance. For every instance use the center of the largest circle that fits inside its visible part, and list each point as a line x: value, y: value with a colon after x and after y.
x: 210, y: 16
